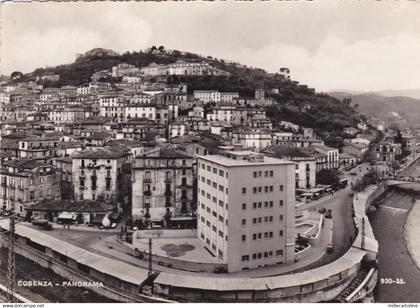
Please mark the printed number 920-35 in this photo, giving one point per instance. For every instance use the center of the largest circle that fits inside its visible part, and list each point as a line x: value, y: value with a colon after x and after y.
x: 392, y: 281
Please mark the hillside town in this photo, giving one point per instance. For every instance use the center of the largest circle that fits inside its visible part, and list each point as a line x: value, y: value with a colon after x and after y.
x: 152, y: 160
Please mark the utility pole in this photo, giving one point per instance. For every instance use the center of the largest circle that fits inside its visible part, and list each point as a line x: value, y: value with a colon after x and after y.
x: 362, y: 245
x: 150, y: 257
x: 11, y: 273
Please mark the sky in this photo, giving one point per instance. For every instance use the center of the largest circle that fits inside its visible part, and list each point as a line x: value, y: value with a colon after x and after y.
x: 353, y: 45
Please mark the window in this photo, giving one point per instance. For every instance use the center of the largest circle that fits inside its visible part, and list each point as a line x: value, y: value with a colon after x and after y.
x: 214, y: 185
x: 221, y: 234
x: 255, y: 174
x: 279, y: 252
x: 281, y: 202
x: 259, y: 236
x: 270, y: 219
x: 266, y: 173
x: 271, y: 173
x: 254, y: 220
x: 221, y: 188
x: 243, y: 206
x: 214, y: 228
x: 271, y: 203
x: 243, y: 222
x: 270, y: 234
x: 221, y: 218
x: 254, y: 236
x: 254, y: 256
x: 214, y: 214
x: 214, y: 200
x: 254, y: 189
x: 266, y: 189
x: 281, y: 187
x: 259, y: 174
x: 215, y: 170
x: 243, y: 190
x: 221, y: 173
x: 266, y: 254
x: 259, y: 220
x: 245, y: 258
x: 221, y: 203
x: 259, y: 205
x: 265, y: 234
x: 243, y: 238
x: 281, y: 233
x: 271, y: 188
x: 259, y: 189
x: 208, y: 168
x: 281, y: 217
x: 254, y: 205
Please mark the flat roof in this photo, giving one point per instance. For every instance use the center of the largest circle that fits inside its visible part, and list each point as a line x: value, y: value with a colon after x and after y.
x: 118, y: 269
x: 229, y: 162
x: 348, y: 260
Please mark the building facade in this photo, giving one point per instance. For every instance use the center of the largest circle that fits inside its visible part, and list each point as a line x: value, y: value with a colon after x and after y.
x: 246, y: 208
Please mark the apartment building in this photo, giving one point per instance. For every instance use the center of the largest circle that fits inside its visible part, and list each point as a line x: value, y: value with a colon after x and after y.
x: 246, y: 208
x: 162, y: 185
x: 98, y: 174
x: 26, y: 181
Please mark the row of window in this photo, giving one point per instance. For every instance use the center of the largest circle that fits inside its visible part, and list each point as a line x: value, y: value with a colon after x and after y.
x: 259, y: 205
x: 212, y: 198
x: 259, y: 255
x: 267, y: 173
x: 220, y: 172
x: 213, y: 245
x: 214, y: 184
x: 259, y: 189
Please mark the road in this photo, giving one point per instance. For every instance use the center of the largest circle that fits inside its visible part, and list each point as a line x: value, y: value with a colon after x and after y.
x: 341, y: 206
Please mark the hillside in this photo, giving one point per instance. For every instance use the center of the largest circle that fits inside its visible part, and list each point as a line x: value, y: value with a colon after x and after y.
x: 381, y: 106
x: 294, y: 102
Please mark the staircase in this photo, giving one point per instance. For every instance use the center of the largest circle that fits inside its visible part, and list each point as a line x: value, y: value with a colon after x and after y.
x: 342, y: 297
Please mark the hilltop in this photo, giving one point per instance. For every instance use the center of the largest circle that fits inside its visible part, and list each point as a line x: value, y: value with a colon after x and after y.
x: 296, y: 103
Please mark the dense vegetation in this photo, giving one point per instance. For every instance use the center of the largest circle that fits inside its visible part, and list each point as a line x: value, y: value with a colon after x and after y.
x: 293, y: 102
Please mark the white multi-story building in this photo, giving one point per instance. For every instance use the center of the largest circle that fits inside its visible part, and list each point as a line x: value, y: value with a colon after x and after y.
x: 246, y: 208
x: 207, y: 96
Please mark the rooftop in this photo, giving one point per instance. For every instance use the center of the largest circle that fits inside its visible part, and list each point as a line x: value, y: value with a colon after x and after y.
x: 243, y: 158
x: 63, y: 205
x: 112, y: 152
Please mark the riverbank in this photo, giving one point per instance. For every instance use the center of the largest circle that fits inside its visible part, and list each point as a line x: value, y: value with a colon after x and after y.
x: 412, y: 231
x: 395, y: 262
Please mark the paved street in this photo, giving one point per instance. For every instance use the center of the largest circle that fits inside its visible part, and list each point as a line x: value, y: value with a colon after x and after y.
x: 341, y: 206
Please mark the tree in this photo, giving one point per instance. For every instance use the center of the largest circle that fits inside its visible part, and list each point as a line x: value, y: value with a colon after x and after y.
x: 153, y: 48
x: 161, y: 48
x: 16, y: 75
x: 328, y: 177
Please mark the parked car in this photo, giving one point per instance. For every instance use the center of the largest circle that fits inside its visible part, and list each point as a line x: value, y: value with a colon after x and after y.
x: 330, y: 247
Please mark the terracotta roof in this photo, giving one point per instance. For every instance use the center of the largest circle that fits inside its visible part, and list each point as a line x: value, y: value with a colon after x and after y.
x: 112, y: 152
x: 62, y: 205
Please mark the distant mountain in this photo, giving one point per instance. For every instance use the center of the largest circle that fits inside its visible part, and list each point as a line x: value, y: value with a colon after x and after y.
x: 372, y: 104
x: 413, y: 93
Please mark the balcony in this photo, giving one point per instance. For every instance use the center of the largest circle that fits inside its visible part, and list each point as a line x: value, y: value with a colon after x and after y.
x: 147, y: 180
x: 147, y: 193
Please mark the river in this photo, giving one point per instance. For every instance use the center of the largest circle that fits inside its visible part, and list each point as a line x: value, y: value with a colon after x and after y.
x: 394, y: 260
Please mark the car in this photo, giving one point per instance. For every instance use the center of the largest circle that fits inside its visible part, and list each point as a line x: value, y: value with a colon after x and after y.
x: 330, y: 247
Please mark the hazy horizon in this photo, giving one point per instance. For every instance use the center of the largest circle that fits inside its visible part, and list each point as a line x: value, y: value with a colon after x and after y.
x: 362, y: 46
